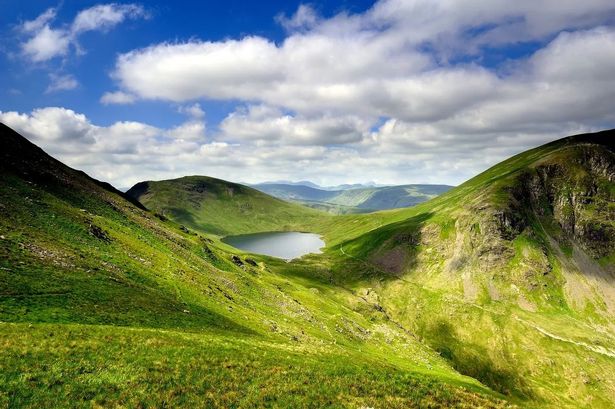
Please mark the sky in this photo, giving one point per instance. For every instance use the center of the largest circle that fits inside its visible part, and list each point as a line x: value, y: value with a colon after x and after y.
x: 391, y: 92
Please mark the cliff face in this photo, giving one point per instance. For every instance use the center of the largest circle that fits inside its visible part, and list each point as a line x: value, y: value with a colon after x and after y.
x: 516, y: 228
x: 549, y: 232
x: 541, y: 228
x: 511, y: 276
x: 575, y: 189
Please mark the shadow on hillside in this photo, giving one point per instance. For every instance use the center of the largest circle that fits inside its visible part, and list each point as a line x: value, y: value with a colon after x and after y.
x: 64, y: 308
x: 184, y: 217
x: 473, y: 360
x: 386, y: 252
x: 44, y: 293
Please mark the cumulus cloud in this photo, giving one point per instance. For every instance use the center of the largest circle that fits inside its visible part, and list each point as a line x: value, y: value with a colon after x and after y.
x: 378, y: 64
x: 407, y: 91
x: 127, y: 152
x: 123, y: 152
x: 265, y: 125
x: 406, y: 77
x: 45, y: 42
x: 192, y: 130
x: 232, y: 69
x: 384, y: 42
x: 53, y: 127
x: 194, y: 111
x: 395, y: 152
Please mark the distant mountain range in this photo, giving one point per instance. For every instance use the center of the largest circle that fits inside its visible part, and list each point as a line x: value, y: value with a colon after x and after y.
x: 352, y: 198
x: 307, y: 183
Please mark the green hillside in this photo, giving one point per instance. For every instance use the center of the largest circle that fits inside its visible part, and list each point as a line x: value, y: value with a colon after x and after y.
x: 354, y: 200
x: 105, y: 304
x: 220, y: 207
x: 510, y: 276
x: 497, y: 293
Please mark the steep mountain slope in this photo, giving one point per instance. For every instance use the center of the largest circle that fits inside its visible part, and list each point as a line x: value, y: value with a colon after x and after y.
x: 510, y: 276
x: 104, y: 304
x: 220, y: 207
x: 356, y: 200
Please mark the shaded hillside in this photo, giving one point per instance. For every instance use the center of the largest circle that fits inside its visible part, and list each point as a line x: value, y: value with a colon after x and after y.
x: 510, y: 276
x: 355, y: 200
x: 220, y: 207
x: 104, y: 304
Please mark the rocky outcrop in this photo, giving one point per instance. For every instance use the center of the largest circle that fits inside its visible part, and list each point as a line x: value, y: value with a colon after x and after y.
x: 574, y: 189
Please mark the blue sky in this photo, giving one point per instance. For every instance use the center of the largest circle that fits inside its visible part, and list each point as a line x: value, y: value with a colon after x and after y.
x: 394, y: 91
x: 165, y: 21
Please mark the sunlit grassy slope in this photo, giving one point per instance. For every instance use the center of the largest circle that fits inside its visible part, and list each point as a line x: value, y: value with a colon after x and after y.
x: 103, y: 303
x: 510, y: 276
x: 221, y: 207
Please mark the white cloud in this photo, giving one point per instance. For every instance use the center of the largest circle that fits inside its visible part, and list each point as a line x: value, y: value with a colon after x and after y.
x: 304, y: 18
x: 38, y: 23
x: 123, y: 152
x: 399, y: 93
x: 384, y: 83
x: 452, y: 26
x: 347, y: 56
x: 51, y: 125
x: 232, y: 68
x: 370, y: 65
x: 117, y: 97
x: 45, y: 43
x: 127, y: 152
x: 194, y: 111
x: 396, y: 152
x: 62, y: 83
x: 192, y: 130
x: 265, y: 125
x: 105, y: 16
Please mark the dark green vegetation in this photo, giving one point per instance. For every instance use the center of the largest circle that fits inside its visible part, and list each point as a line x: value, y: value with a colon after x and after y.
x: 354, y: 200
x: 498, y: 292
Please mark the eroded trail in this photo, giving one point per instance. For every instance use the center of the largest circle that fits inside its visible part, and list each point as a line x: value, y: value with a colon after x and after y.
x: 594, y: 348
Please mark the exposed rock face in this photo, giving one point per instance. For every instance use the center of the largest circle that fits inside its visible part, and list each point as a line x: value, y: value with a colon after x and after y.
x: 566, y: 195
x: 237, y: 261
x: 574, y: 188
x: 510, y: 222
x: 99, y: 233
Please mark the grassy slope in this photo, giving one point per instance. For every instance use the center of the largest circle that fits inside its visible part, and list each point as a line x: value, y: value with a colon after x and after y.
x: 529, y: 312
x: 501, y: 305
x: 358, y: 200
x: 221, y: 207
x: 102, y: 303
